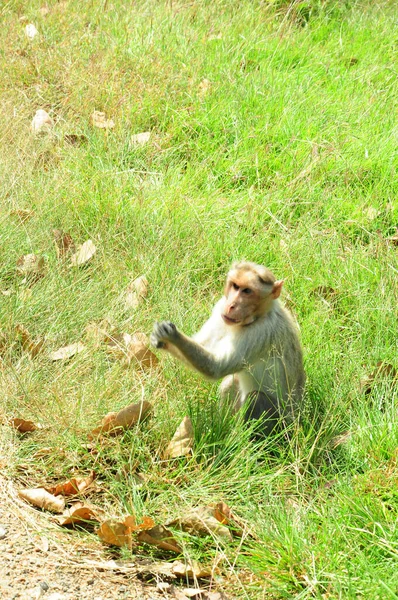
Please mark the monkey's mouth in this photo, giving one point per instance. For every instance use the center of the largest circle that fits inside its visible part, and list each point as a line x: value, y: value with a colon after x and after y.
x: 230, y: 321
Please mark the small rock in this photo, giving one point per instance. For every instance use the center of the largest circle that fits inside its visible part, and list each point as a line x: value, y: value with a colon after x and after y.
x: 90, y: 582
x: 44, y: 586
x: 3, y: 532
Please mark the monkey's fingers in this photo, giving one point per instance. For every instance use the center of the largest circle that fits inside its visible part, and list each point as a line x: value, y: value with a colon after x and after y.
x: 156, y: 343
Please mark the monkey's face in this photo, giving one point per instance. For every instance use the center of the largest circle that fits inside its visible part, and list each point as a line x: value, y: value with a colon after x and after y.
x: 248, y: 294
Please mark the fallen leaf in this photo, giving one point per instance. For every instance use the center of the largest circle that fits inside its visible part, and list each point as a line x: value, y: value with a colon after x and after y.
x: 84, y: 254
x: 194, y: 570
x: 41, y: 122
x: 139, y: 351
x: 115, y: 533
x: 64, y: 243
x: 31, y: 267
x: 160, y: 537
x: 182, y: 441
x: 23, y: 213
x: 42, y: 499
x: 201, y: 521
x: 23, y: 426
x: 72, y: 486
x: 163, y: 586
x: 146, y: 523
x: 117, y: 344
x: 382, y: 370
x: 31, y: 31
x: 67, y: 351
x: 79, y: 514
x: 131, y: 348
x: 136, y: 292
x: 124, y: 419
x: 171, y: 570
x: 140, y: 139
x: 99, y: 120
x: 225, y: 516
x: 34, y: 347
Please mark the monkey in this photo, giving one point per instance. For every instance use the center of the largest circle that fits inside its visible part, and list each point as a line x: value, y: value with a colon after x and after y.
x: 250, y: 342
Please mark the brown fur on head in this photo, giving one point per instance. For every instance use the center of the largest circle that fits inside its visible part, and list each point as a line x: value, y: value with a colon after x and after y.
x: 249, y: 291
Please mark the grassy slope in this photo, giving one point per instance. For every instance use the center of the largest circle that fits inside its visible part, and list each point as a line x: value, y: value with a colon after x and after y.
x: 289, y: 159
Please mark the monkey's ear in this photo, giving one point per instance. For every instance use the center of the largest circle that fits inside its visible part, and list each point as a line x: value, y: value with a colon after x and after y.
x: 276, y: 289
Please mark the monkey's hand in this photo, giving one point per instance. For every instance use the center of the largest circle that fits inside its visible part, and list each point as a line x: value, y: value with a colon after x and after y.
x: 162, y: 333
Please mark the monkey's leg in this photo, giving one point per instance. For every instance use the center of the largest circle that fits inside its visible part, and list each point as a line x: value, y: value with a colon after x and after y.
x: 263, y: 407
x: 230, y: 393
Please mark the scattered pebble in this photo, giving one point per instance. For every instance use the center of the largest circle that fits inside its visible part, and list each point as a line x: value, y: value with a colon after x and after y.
x: 3, y: 532
x: 44, y: 586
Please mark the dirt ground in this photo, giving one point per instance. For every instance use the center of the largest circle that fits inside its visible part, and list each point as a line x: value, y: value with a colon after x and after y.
x: 39, y: 560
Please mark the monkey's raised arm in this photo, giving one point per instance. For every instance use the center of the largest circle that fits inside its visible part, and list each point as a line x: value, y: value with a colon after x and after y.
x: 196, y: 355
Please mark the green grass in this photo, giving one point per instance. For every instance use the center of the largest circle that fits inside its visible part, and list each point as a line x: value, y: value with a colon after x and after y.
x: 289, y: 159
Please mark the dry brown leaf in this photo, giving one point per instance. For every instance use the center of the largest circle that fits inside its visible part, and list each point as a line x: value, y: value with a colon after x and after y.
x: 182, y: 441
x: 115, y: 533
x: 117, y: 344
x: 23, y: 213
x: 224, y: 515
x: 79, y: 514
x: 140, y: 139
x: 160, y: 537
x: 23, y: 426
x: 42, y: 499
x: 171, y: 570
x: 64, y: 243
x: 139, y: 352
x: 124, y: 419
x: 41, y: 122
x: 67, y: 351
x: 131, y: 348
x: 146, y: 523
x: 136, y: 291
x: 201, y: 521
x: 194, y: 570
x: 31, y: 267
x: 76, y: 485
x: 200, y: 594
x: 84, y: 254
x: 34, y: 347
x: 99, y: 120
x: 382, y: 370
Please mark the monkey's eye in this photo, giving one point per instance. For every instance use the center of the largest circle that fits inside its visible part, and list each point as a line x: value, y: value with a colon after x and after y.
x: 235, y: 286
x: 247, y: 291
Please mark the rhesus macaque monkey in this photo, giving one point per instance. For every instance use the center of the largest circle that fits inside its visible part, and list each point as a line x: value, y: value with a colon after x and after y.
x: 251, y: 341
